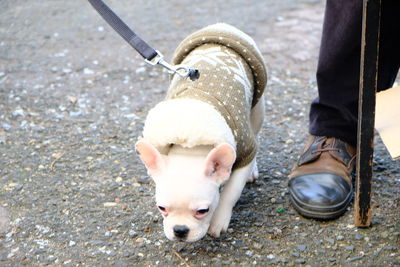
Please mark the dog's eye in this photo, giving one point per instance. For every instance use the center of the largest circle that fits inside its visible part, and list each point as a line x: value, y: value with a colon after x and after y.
x: 202, y: 211
x: 162, y: 208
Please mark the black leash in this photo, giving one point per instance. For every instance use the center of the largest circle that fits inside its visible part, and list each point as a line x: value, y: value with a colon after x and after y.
x: 151, y: 56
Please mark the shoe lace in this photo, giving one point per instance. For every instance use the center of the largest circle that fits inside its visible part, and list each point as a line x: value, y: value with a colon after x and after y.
x: 325, y: 147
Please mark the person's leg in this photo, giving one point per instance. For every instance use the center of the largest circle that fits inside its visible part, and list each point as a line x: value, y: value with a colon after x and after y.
x: 334, y: 112
x: 320, y: 184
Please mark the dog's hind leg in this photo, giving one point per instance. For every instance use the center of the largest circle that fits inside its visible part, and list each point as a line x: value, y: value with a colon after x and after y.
x: 257, y: 115
x: 256, y: 120
x: 254, y: 175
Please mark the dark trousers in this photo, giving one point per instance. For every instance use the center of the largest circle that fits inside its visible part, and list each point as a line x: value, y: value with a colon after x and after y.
x: 334, y: 112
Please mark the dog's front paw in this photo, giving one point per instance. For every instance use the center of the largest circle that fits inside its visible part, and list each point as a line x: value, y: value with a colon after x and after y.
x: 220, y: 222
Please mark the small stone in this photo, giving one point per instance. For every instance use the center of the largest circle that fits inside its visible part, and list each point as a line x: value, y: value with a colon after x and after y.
x: 73, y: 99
x: 238, y: 243
x: 6, y: 126
x: 331, y: 259
x: 12, y: 253
x: 50, y: 259
x: 384, y: 235
x: 128, y: 254
x: 19, y: 112
x: 66, y: 70
x: 88, y: 71
x: 358, y: 237
x: 43, y: 229
x: 76, y: 113
x: 23, y: 124
x: 96, y: 243
x: 330, y: 240
x: 71, y: 243
x: 140, y: 70
x: 9, y: 235
x: 109, y: 204
x: 132, y: 233
x: 273, y: 200
x: 131, y: 116
x: 249, y: 253
x: 301, y: 261
x: 303, y: 234
x: 140, y: 240
x: 340, y: 237
x: 355, y: 258
x: 301, y: 247
x: 39, y: 251
x: 258, y: 245
x: 270, y: 256
x: 153, y: 74
x: 349, y: 248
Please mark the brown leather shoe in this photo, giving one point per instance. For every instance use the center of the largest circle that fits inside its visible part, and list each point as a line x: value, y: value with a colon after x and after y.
x: 320, y: 184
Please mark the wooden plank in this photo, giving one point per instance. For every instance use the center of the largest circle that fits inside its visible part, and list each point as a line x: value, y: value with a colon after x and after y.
x: 366, y: 111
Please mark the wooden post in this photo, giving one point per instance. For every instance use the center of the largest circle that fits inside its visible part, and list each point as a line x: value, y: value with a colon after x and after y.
x: 366, y: 110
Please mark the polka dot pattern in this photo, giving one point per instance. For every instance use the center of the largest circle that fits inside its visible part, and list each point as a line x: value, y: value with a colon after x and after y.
x: 232, y: 79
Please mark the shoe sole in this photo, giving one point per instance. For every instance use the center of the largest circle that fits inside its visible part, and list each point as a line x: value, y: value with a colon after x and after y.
x: 326, y: 213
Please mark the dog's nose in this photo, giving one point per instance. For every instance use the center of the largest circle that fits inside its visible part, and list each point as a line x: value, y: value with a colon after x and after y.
x: 181, y: 231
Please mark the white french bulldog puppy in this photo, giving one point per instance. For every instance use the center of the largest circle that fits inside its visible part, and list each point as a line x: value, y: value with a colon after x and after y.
x: 203, y: 135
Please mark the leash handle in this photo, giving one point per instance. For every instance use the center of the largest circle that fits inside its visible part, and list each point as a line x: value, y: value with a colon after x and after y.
x: 151, y: 56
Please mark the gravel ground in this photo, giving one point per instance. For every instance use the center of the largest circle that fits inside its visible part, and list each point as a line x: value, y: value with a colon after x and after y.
x: 73, y: 97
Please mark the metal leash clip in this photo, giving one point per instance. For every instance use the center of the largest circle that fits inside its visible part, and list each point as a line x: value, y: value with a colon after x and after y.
x: 181, y: 70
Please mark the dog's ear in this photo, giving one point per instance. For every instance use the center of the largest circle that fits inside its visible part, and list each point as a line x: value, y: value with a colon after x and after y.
x: 219, y: 162
x: 150, y: 157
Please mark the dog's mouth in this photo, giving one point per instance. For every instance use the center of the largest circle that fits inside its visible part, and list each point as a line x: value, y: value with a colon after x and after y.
x: 186, y: 239
x: 180, y: 239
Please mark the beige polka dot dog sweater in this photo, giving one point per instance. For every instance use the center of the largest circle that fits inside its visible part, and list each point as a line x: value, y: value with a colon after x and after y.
x: 216, y: 107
